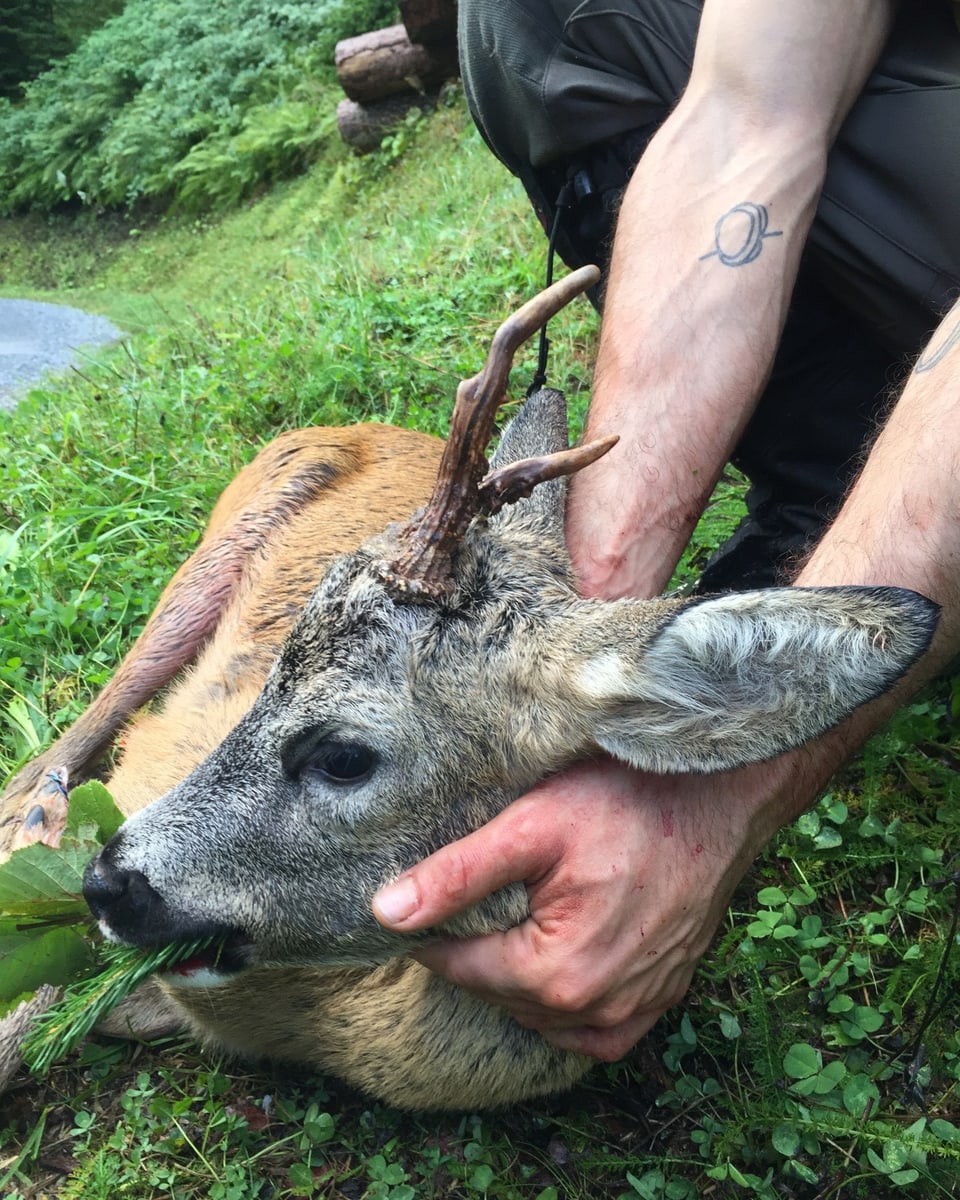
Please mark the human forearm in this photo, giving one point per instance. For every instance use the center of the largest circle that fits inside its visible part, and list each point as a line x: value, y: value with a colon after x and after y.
x: 708, y: 241
x: 900, y: 524
x: 900, y: 527
x: 686, y: 346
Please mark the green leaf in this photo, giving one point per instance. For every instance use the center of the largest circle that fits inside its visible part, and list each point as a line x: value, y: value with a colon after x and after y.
x: 57, y: 957
x: 771, y: 896
x: 809, y: 967
x: 785, y: 1139
x: 650, y: 1187
x: 801, y: 1061
x: 876, y: 1161
x: 832, y: 1076
x: 867, y: 1018
x: 895, y: 1154
x: 836, y: 811
x: 91, y: 804
x: 802, y: 1171
x: 481, y: 1177
x: 944, y: 1130
x: 301, y: 1179
x: 319, y: 1130
x: 729, y: 1025
x: 859, y: 1091
x: 758, y: 929
x: 37, y: 875
x: 828, y: 839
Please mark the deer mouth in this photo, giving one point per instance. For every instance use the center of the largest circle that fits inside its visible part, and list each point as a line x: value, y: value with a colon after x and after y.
x: 224, y: 955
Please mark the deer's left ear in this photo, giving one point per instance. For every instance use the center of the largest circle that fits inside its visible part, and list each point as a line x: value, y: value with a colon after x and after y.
x: 538, y: 429
x: 737, y: 678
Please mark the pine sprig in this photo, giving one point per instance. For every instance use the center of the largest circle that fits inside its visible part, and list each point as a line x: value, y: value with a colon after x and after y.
x: 65, y: 1024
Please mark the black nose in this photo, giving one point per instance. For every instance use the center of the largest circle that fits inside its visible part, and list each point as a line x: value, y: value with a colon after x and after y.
x: 123, y: 900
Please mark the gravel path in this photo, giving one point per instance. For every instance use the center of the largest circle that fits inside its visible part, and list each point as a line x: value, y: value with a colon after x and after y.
x: 36, y: 338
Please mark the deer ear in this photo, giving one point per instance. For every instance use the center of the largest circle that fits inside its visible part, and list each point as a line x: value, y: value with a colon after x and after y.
x: 539, y: 428
x: 745, y: 676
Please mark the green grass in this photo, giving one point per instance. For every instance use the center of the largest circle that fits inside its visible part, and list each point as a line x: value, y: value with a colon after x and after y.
x: 365, y: 290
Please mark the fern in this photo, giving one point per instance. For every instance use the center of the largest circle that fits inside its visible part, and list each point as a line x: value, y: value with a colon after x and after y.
x: 120, y: 118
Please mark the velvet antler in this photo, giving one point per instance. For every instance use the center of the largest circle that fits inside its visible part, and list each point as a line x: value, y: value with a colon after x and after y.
x: 422, y: 567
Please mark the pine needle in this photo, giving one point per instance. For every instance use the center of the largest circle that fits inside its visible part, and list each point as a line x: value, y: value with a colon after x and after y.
x: 65, y: 1024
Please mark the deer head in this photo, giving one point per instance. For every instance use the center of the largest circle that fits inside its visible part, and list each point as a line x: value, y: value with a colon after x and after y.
x: 445, y: 667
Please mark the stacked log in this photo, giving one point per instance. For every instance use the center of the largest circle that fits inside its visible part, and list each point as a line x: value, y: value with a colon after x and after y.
x: 388, y: 72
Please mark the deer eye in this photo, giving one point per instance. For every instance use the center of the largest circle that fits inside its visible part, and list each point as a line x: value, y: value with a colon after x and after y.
x: 340, y: 762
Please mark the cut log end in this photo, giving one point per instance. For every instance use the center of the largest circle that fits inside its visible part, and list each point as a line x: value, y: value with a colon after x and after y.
x: 375, y: 65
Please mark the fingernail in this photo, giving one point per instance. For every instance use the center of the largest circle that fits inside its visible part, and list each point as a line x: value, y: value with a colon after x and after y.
x: 396, y: 901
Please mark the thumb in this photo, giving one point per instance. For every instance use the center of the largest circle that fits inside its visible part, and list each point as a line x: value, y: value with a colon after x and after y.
x: 462, y: 874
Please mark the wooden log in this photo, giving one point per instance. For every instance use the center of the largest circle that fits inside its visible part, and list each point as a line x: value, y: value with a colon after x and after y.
x: 431, y: 22
x: 364, y: 126
x: 385, y: 62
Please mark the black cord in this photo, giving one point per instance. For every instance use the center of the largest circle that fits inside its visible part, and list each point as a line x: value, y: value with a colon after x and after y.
x: 563, y: 202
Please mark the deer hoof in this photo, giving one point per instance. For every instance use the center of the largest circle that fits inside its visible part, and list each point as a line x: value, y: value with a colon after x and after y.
x: 47, y: 818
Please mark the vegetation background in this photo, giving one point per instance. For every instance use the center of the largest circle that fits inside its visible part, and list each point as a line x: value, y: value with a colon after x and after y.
x: 176, y: 169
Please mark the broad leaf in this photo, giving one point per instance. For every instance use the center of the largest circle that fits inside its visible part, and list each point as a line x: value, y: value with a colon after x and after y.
x: 92, y: 804
x: 56, y: 957
x: 38, y: 873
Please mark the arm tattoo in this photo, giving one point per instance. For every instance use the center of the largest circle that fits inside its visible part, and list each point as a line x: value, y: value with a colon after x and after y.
x: 933, y: 356
x: 739, y: 235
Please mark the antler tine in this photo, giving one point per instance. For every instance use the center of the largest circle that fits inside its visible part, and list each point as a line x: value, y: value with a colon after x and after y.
x: 517, y: 328
x: 513, y: 482
x: 422, y: 569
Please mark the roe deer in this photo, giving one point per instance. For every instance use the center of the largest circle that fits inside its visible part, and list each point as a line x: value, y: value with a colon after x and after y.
x: 434, y: 675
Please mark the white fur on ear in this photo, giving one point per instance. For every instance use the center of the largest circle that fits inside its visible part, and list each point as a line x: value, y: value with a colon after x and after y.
x: 745, y: 676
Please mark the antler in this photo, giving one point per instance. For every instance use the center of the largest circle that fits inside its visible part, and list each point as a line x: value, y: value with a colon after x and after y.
x: 423, y: 565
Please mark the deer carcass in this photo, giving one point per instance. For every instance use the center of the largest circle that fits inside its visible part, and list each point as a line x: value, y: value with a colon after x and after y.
x: 326, y: 740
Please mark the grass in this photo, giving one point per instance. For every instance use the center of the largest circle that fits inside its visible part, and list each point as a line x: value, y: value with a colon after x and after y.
x: 800, y: 1064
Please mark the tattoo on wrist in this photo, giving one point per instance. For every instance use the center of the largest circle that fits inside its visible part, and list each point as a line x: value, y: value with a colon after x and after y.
x: 934, y: 355
x: 740, y: 233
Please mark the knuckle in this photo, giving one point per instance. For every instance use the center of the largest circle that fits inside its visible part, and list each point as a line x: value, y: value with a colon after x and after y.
x: 614, y: 1014
x: 526, y: 824
x: 566, y: 995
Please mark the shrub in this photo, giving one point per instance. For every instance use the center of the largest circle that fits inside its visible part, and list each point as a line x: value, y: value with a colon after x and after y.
x: 194, y: 100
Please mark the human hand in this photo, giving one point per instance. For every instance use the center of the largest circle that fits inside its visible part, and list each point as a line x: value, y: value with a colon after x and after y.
x: 628, y: 875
